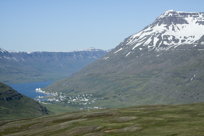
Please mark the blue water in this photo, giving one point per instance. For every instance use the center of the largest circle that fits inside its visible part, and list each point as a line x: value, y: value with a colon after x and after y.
x: 28, y: 89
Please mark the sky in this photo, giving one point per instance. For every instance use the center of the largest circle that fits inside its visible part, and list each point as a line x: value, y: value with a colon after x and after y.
x: 67, y: 25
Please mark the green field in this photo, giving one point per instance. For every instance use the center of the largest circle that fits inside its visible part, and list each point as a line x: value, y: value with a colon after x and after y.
x: 160, y: 120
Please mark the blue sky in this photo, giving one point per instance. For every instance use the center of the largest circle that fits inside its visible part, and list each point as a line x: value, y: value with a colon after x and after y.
x: 66, y: 25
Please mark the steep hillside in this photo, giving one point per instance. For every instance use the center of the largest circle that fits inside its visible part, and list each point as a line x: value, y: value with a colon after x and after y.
x: 14, y: 105
x: 162, y: 64
x: 177, y: 120
x: 43, y: 66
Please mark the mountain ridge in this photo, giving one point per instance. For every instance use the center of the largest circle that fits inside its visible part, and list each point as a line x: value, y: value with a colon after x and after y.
x: 43, y: 66
x: 141, y: 73
x: 170, y: 30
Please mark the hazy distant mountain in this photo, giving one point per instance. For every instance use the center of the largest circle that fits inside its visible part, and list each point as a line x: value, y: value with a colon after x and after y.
x: 162, y: 64
x: 14, y: 105
x: 38, y: 66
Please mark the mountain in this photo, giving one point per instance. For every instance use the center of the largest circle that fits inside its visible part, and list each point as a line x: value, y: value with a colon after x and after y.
x: 160, y: 120
x: 168, y: 31
x: 43, y: 66
x: 14, y: 105
x: 161, y: 64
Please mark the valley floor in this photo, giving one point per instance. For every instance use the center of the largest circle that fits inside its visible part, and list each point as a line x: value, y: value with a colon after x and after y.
x: 160, y: 120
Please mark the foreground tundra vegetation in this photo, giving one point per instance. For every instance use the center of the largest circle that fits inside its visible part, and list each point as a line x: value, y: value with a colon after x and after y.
x: 159, y: 120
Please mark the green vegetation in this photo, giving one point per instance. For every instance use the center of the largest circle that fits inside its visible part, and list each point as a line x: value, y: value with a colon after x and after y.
x: 166, y: 77
x: 21, y: 67
x: 13, y: 105
x: 59, y: 108
x: 160, y: 120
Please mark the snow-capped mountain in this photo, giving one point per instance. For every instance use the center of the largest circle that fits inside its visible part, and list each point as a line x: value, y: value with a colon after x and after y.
x: 168, y: 31
x: 162, y: 64
x: 2, y: 50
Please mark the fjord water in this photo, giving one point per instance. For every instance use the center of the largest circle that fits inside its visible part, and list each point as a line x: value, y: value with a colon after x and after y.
x: 28, y: 89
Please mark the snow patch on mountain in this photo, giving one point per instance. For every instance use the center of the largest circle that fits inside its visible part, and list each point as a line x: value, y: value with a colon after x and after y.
x: 128, y: 54
x: 105, y: 58
x: 2, y: 50
x: 118, y: 50
x: 170, y: 30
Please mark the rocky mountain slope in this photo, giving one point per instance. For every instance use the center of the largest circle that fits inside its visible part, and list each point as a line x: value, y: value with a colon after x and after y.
x: 14, y: 105
x: 38, y: 66
x: 162, y: 64
x: 169, y: 31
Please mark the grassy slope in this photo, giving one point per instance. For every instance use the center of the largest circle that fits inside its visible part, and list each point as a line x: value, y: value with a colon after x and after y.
x: 14, y: 105
x: 59, y: 108
x: 174, y: 77
x: 174, y: 120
